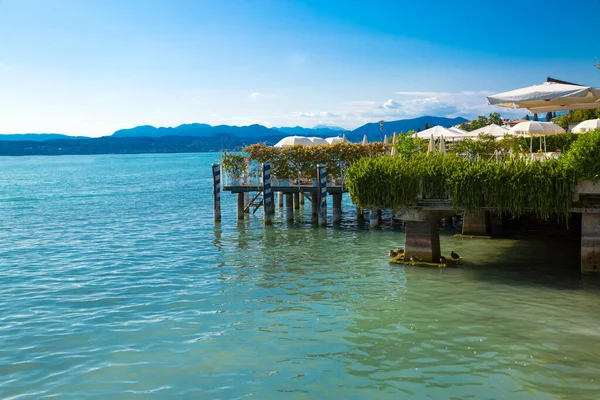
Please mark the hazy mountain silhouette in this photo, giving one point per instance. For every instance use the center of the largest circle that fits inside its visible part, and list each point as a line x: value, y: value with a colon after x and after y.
x: 38, y: 137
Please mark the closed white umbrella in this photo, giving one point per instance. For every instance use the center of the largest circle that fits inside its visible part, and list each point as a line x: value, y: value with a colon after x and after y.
x: 431, y: 147
x: 549, y: 96
x: 294, y: 141
x: 332, y: 140
x: 385, y: 139
x: 317, y: 140
x: 587, y: 126
x: 442, y: 145
x: 344, y: 138
x: 365, y: 141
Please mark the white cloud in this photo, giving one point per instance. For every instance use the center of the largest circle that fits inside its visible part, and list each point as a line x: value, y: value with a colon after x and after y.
x: 256, y: 95
x: 467, y: 104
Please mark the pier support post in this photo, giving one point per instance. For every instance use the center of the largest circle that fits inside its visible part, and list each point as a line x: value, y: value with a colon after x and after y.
x: 267, y: 195
x: 422, y: 240
x: 241, y: 203
x: 322, y: 184
x: 296, y: 201
x: 374, y: 218
x: 301, y: 199
x: 289, y: 207
x: 590, y: 243
x: 314, y: 205
x: 246, y: 202
x: 476, y: 223
x: 280, y: 199
x: 216, y: 171
x: 337, y: 208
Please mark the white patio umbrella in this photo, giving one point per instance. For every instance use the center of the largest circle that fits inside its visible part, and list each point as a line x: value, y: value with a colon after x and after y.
x: 536, y: 128
x: 365, y: 141
x: 493, y: 129
x: 332, y: 140
x: 457, y: 130
x: 294, y: 141
x: 549, y: 96
x: 317, y: 140
x: 587, y: 126
x: 438, y: 131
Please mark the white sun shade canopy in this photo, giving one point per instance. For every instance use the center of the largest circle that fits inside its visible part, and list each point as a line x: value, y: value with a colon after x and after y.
x: 438, y: 131
x: 492, y: 129
x: 317, y: 140
x: 294, y: 141
x: 532, y: 128
x: 548, y: 96
x: 587, y: 126
x: 332, y: 140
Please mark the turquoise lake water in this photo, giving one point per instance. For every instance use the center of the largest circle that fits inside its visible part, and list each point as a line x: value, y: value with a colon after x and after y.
x: 115, y: 283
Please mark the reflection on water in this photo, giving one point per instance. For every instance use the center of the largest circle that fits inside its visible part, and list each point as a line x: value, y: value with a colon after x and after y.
x: 138, y: 292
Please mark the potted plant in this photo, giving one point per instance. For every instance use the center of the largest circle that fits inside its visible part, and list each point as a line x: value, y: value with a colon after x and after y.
x: 235, y: 167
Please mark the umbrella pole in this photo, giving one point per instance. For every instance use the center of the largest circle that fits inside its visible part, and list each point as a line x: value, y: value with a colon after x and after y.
x: 545, y: 149
x: 531, y: 146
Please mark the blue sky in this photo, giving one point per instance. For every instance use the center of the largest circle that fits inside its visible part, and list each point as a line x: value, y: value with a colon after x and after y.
x: 89, y: 67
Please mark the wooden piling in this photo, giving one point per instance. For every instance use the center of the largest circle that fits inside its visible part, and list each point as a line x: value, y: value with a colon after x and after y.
x: 216, y: 171
x: 314, y: 206
x: 289, y: 207
x: 267, y: 195
x: 337, y: 208
x: 246, y: 202
x: 240, y: 206
x: 280, y: 199
x: 322, y: 184
x: 296, y: 201
x: 301, y: 199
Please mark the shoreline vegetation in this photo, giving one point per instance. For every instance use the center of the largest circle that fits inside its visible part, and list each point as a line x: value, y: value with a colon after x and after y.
x: 498, y: 174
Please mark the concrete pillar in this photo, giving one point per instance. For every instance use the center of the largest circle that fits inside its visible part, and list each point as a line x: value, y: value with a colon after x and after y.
x: 337, y: 208
x: 289, y: 207
x: 374, y: 218
x: 590, y: 243
x: 314, y: 205
x: 422, y: 240
x: 280, y: 201
x: 296, y: 201
x: 476, y: 223
x: 240, y: 205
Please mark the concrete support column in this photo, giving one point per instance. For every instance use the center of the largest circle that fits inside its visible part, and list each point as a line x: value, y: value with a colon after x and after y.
x: 241, y: 203
x: 289, y: 207
x: 314, y: 205
x: 476, y: 223
x: 422, y: 240
x: 590, y: 243
x: 296, y: 201
x: 337, y: 208
x: 374, y: 218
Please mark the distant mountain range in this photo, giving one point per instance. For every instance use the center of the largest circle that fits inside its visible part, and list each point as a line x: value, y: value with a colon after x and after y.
x: 196, y: 137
